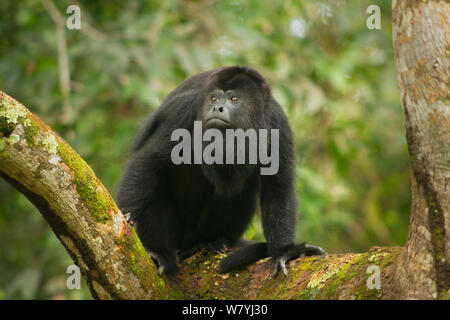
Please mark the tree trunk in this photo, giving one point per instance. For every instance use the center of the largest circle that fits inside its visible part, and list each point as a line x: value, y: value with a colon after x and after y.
x: 86, y: 220
x: 421, y: 33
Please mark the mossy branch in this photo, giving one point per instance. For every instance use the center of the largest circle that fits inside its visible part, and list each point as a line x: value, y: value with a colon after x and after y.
x: 337, y: 276
x: 81, y: 212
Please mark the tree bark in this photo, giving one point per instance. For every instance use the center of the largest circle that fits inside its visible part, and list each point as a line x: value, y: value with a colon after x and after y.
x: 42, y: 166
x: 421, y: 34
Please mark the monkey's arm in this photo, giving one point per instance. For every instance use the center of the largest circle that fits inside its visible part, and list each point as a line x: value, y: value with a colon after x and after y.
x: 278, y: 206
x: 279, y: 201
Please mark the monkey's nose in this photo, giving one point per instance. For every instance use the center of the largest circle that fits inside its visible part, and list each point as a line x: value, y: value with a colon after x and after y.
x: 218, y: 117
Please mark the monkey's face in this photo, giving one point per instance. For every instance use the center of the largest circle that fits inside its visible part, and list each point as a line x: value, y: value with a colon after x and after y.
x: 222, y: 109
x: 233, y: 108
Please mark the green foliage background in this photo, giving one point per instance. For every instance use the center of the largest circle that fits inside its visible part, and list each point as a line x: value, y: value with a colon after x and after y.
x: 335, y: 78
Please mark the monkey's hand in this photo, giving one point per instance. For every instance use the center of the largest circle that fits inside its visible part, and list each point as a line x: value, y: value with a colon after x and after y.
x: 280, y: 264
x: 296, y: 251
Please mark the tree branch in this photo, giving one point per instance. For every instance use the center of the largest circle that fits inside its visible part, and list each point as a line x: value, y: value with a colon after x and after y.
x: 81, y: 212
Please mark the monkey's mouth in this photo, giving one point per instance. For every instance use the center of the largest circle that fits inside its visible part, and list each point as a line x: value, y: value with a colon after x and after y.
x: 217, y: 123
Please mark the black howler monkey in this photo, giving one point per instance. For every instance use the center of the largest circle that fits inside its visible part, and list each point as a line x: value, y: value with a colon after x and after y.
x: 179, y: 208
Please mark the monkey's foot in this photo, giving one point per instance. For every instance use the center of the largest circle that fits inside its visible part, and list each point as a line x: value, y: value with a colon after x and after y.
x: 219, y: 246
x: 131, y: 220
x: 164, y: 264
x: 297, y: 251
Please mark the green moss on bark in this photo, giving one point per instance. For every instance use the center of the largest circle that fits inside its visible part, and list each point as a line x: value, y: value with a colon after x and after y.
x: 31, y: 130
x: 136, y: 257
x: 99, y: 203
x: 11, y: 114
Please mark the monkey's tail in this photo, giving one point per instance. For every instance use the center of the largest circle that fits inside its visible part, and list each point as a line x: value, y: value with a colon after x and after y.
x: 245, y: 255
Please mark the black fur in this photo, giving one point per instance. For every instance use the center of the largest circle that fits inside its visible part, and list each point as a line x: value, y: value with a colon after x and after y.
x: 243, y: 256
x: 178, y: 208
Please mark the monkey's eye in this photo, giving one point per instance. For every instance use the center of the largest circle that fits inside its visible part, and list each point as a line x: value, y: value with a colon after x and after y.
x: 213, y: 98
x: 234, y: 99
